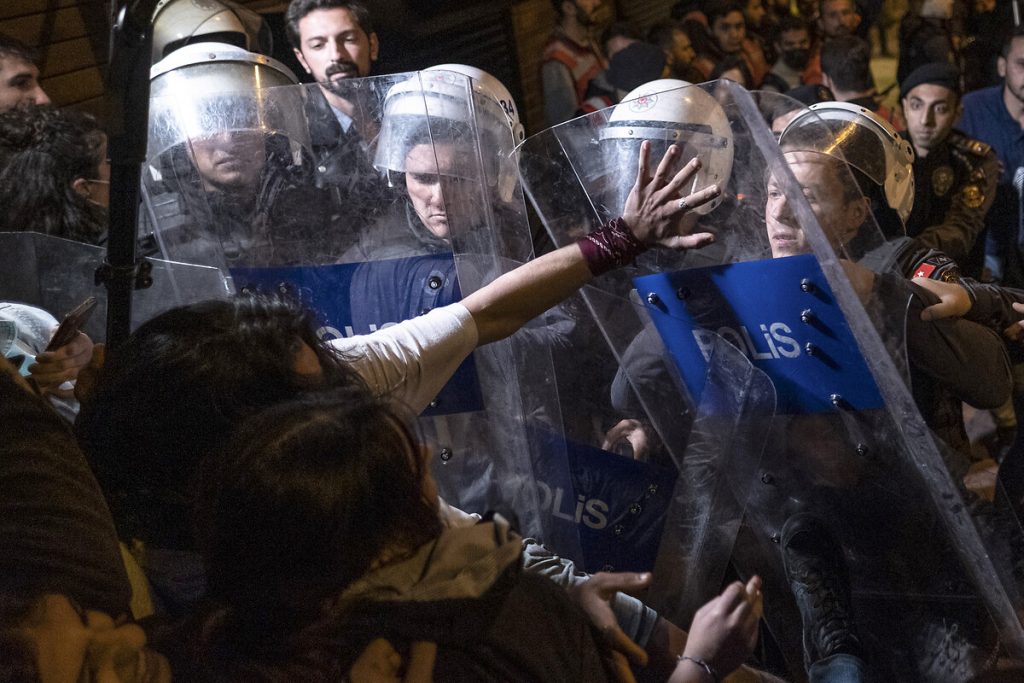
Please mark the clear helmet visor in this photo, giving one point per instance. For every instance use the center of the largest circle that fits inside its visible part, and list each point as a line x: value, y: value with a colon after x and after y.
x: 443, y: 107
x: 667, y: 112
x: 205, y: 90
x: 620, y: 148
x: 861, y: 140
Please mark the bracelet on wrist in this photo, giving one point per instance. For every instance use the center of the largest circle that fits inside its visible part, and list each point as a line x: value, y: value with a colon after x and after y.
x: 702, y: 664
x: 610, y: 247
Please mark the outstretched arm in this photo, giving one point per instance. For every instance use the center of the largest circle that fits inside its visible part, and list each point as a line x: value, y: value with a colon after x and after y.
x: 653, y: 215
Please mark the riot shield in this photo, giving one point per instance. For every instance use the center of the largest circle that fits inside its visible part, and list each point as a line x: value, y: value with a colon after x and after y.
x: 778, y: 390
x: 56, y: 274
x: 402, y: 201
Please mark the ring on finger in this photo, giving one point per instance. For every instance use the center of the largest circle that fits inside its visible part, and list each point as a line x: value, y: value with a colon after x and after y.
x: 682, y: 204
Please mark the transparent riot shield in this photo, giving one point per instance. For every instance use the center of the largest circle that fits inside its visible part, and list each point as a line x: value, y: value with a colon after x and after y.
x: 396, y: 196
x: 56, y: 275
x: 778, y: 390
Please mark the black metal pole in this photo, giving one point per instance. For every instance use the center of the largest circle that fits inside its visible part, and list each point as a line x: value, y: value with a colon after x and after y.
x: 128, y: 92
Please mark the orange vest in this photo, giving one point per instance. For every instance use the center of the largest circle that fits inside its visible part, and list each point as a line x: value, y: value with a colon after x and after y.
x: 582, y: 61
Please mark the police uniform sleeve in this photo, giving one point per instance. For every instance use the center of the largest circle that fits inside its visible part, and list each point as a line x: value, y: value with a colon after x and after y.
x: 971, y: 201
x: 968, y: 358
x: 410, y: 362
x: 992, y: 305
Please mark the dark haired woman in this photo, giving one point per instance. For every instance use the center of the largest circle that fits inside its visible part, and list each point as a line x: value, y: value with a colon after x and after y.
x: 320, y: 533
x: 54, y: 174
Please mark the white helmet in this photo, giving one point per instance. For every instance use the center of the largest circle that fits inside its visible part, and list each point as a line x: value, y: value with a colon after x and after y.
x: 180, y: 22
x: 862, y: 139
x: 208, y: 88
x: 441, y: 104
x: 670, y: 111
x: 485, y: 83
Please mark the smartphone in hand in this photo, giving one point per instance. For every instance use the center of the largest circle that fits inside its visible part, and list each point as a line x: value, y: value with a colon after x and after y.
x: 72, y: 324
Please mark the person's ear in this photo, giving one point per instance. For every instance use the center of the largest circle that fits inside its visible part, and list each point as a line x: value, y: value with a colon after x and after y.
x: 374, y: 47
x: 1001, y: 67
x: 302, y: 60
x: 856, y: 213
x: 81, y: 186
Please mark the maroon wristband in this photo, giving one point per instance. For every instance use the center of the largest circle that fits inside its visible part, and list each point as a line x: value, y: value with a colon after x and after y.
x: 610, y: 247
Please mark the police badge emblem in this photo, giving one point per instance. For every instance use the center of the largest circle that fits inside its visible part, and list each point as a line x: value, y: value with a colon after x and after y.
x: 973, y: 196
x: 942, y: 180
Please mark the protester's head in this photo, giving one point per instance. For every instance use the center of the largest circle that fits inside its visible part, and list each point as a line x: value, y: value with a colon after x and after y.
x: 754, y: 12
x: 735, y: 68
x: 54, y: 175
x: 332, y: 39
x: 619, y: 36
x: 638, y: 63
x: 50, y: 639
x: 172, y: 393
x: 19, y: 75
x: 309, y: 495
x: 931, y: 104
x: 846, y: 64
x: 728, y: 27
x: 671, y: 37
x: 583, y: 12
x: 793, y: 42
x: 838, y: 18
x: 1011, y: 65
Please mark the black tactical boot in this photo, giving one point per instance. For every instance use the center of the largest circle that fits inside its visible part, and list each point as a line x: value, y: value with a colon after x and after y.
x: 817, y: 576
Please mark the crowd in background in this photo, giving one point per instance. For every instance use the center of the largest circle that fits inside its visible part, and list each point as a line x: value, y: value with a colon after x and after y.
x: 226, y: 519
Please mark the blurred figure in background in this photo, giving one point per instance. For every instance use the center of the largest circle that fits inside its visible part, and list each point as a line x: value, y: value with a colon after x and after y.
x: 19, y: 75
x: 54, y: 173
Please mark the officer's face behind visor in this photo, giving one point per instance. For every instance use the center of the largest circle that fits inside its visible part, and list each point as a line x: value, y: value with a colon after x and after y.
x: 826, y: 185
x: 230, y: 161
x: 439, y: 193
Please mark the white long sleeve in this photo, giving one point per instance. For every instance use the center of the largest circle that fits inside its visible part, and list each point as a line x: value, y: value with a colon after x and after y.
x: 412, y: 361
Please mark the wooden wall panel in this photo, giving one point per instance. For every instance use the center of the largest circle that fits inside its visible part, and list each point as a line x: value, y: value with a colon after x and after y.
x: 71, y: 38
x: 21, y: 8
x: 51, y: 26
x: 532, y: 24
x: 643, y: 13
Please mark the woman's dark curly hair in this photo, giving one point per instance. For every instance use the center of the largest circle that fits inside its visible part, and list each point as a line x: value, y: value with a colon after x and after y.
x: 174, y: 391
x: 43, y: 150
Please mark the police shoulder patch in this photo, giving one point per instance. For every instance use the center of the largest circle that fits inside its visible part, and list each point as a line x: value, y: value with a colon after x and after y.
x: 968, y: 145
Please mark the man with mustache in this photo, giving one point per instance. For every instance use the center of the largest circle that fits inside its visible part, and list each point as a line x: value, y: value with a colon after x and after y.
x: 334, y: 41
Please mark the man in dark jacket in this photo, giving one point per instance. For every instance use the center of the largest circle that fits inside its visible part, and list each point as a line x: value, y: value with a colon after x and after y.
x: 954, y: 175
